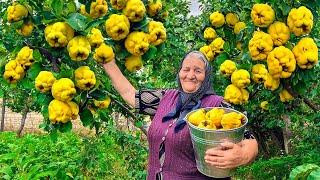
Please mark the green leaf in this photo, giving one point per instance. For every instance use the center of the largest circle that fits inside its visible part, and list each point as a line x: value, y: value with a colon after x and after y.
x: 54, y: 135
x: 3, y: 54
x: 33, y: 171
x: 71, y: 7
x: 245, y: 59
x: 37, y: 19
x: 34, y: 71
x: 43, y: 99
x: 57, y: 6
x: 43, y: 125
x: 45, y: 111
x: 70, y: 175
x: 17, y: 25
x: 77, y: 21
x: 87, y: 5
x: 122, y: 54
x: 301, y: 87
x: 285, y: 9
x: 150, y: 54
x: 48, y: 17
x: 104, y: 115
x: 65, y: 72
x: 93, y: 24
x: 65, y: 127
x: 302, y: 171
x: 141, y: 26
x: 6, y: 169
x: 226, y: 47
x: 3, y: 60
x: 99, y: 95
x: 77, y: 98
x: 8, y: 156
x: 37, y: 56
x: 240, y: 35
x: 220, y: 59
x: 1, y: 93
x: 86, y: 117
x: 45, y: 174
x: 26, y: 83
x: 314, y: 175
x: 139, y: 124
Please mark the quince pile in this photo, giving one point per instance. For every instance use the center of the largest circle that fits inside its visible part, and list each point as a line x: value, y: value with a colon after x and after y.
x: 216, y: 119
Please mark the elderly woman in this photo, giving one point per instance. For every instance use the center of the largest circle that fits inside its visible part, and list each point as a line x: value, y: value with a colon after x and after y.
x: 171, y: 155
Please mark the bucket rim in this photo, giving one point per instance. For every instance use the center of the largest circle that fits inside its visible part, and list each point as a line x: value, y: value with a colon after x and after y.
x: 216, y: 130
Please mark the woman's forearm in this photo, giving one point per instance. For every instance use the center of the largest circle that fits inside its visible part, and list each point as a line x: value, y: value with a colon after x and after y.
x: 120, y: 83
x: 250, y: 150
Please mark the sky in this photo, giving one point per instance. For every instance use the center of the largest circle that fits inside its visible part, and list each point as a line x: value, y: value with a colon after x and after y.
x: 194, y: 8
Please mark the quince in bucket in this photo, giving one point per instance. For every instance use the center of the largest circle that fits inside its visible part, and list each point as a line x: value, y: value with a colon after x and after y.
x: 215, y: 116
x: 207, y: 124
x: 196, y: 117
x: 231, y: 120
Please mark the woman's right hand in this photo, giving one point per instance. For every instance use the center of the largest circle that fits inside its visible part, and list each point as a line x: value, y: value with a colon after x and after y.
x: 120, y: 82
x: 112, y: 62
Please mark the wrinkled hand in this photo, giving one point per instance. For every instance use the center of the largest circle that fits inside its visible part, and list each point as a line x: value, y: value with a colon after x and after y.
x: 113, y: 61
x: 108, y: 66
x: 226, y: 156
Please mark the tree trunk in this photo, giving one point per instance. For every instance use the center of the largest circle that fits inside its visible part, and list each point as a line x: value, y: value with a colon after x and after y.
x: 3, y: 112
x: 97, y: 128
x: 277, y: 139
x: 286, y: 133
x: 23, y: 120
x: 117, y: 119
x: 263, y: 143
x: 128, y: 124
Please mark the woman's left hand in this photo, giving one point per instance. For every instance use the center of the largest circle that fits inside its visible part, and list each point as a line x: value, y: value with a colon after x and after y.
x: 227, y: 156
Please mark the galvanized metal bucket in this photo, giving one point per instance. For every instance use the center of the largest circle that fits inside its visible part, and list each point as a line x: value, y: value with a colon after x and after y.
x: 204, y: 139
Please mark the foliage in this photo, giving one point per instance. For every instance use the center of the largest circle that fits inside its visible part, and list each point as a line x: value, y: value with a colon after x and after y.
x: 71, y: 157
x: 184, y: 33
x: 273, y: 168
x: 304, y: 171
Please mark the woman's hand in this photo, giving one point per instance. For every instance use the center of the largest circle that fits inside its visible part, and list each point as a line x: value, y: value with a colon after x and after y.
x: 112, y: 62
x: 120, y: 82
x: 230, y: 155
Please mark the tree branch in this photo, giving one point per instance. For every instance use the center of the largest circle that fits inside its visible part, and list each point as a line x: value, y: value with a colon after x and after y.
x: 127, y: 110
x: 85, y: 103
x: 23, y: 120
x: 47, y: 55
x: 253, y: 94
x: 25, y: 111
x: 3, y: 112
x: 313, y: 106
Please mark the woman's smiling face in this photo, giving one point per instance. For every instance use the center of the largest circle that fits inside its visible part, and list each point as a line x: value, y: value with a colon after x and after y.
x: 192, y: 73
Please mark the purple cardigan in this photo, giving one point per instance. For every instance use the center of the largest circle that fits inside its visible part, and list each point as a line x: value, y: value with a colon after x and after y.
x: 179, y: 161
